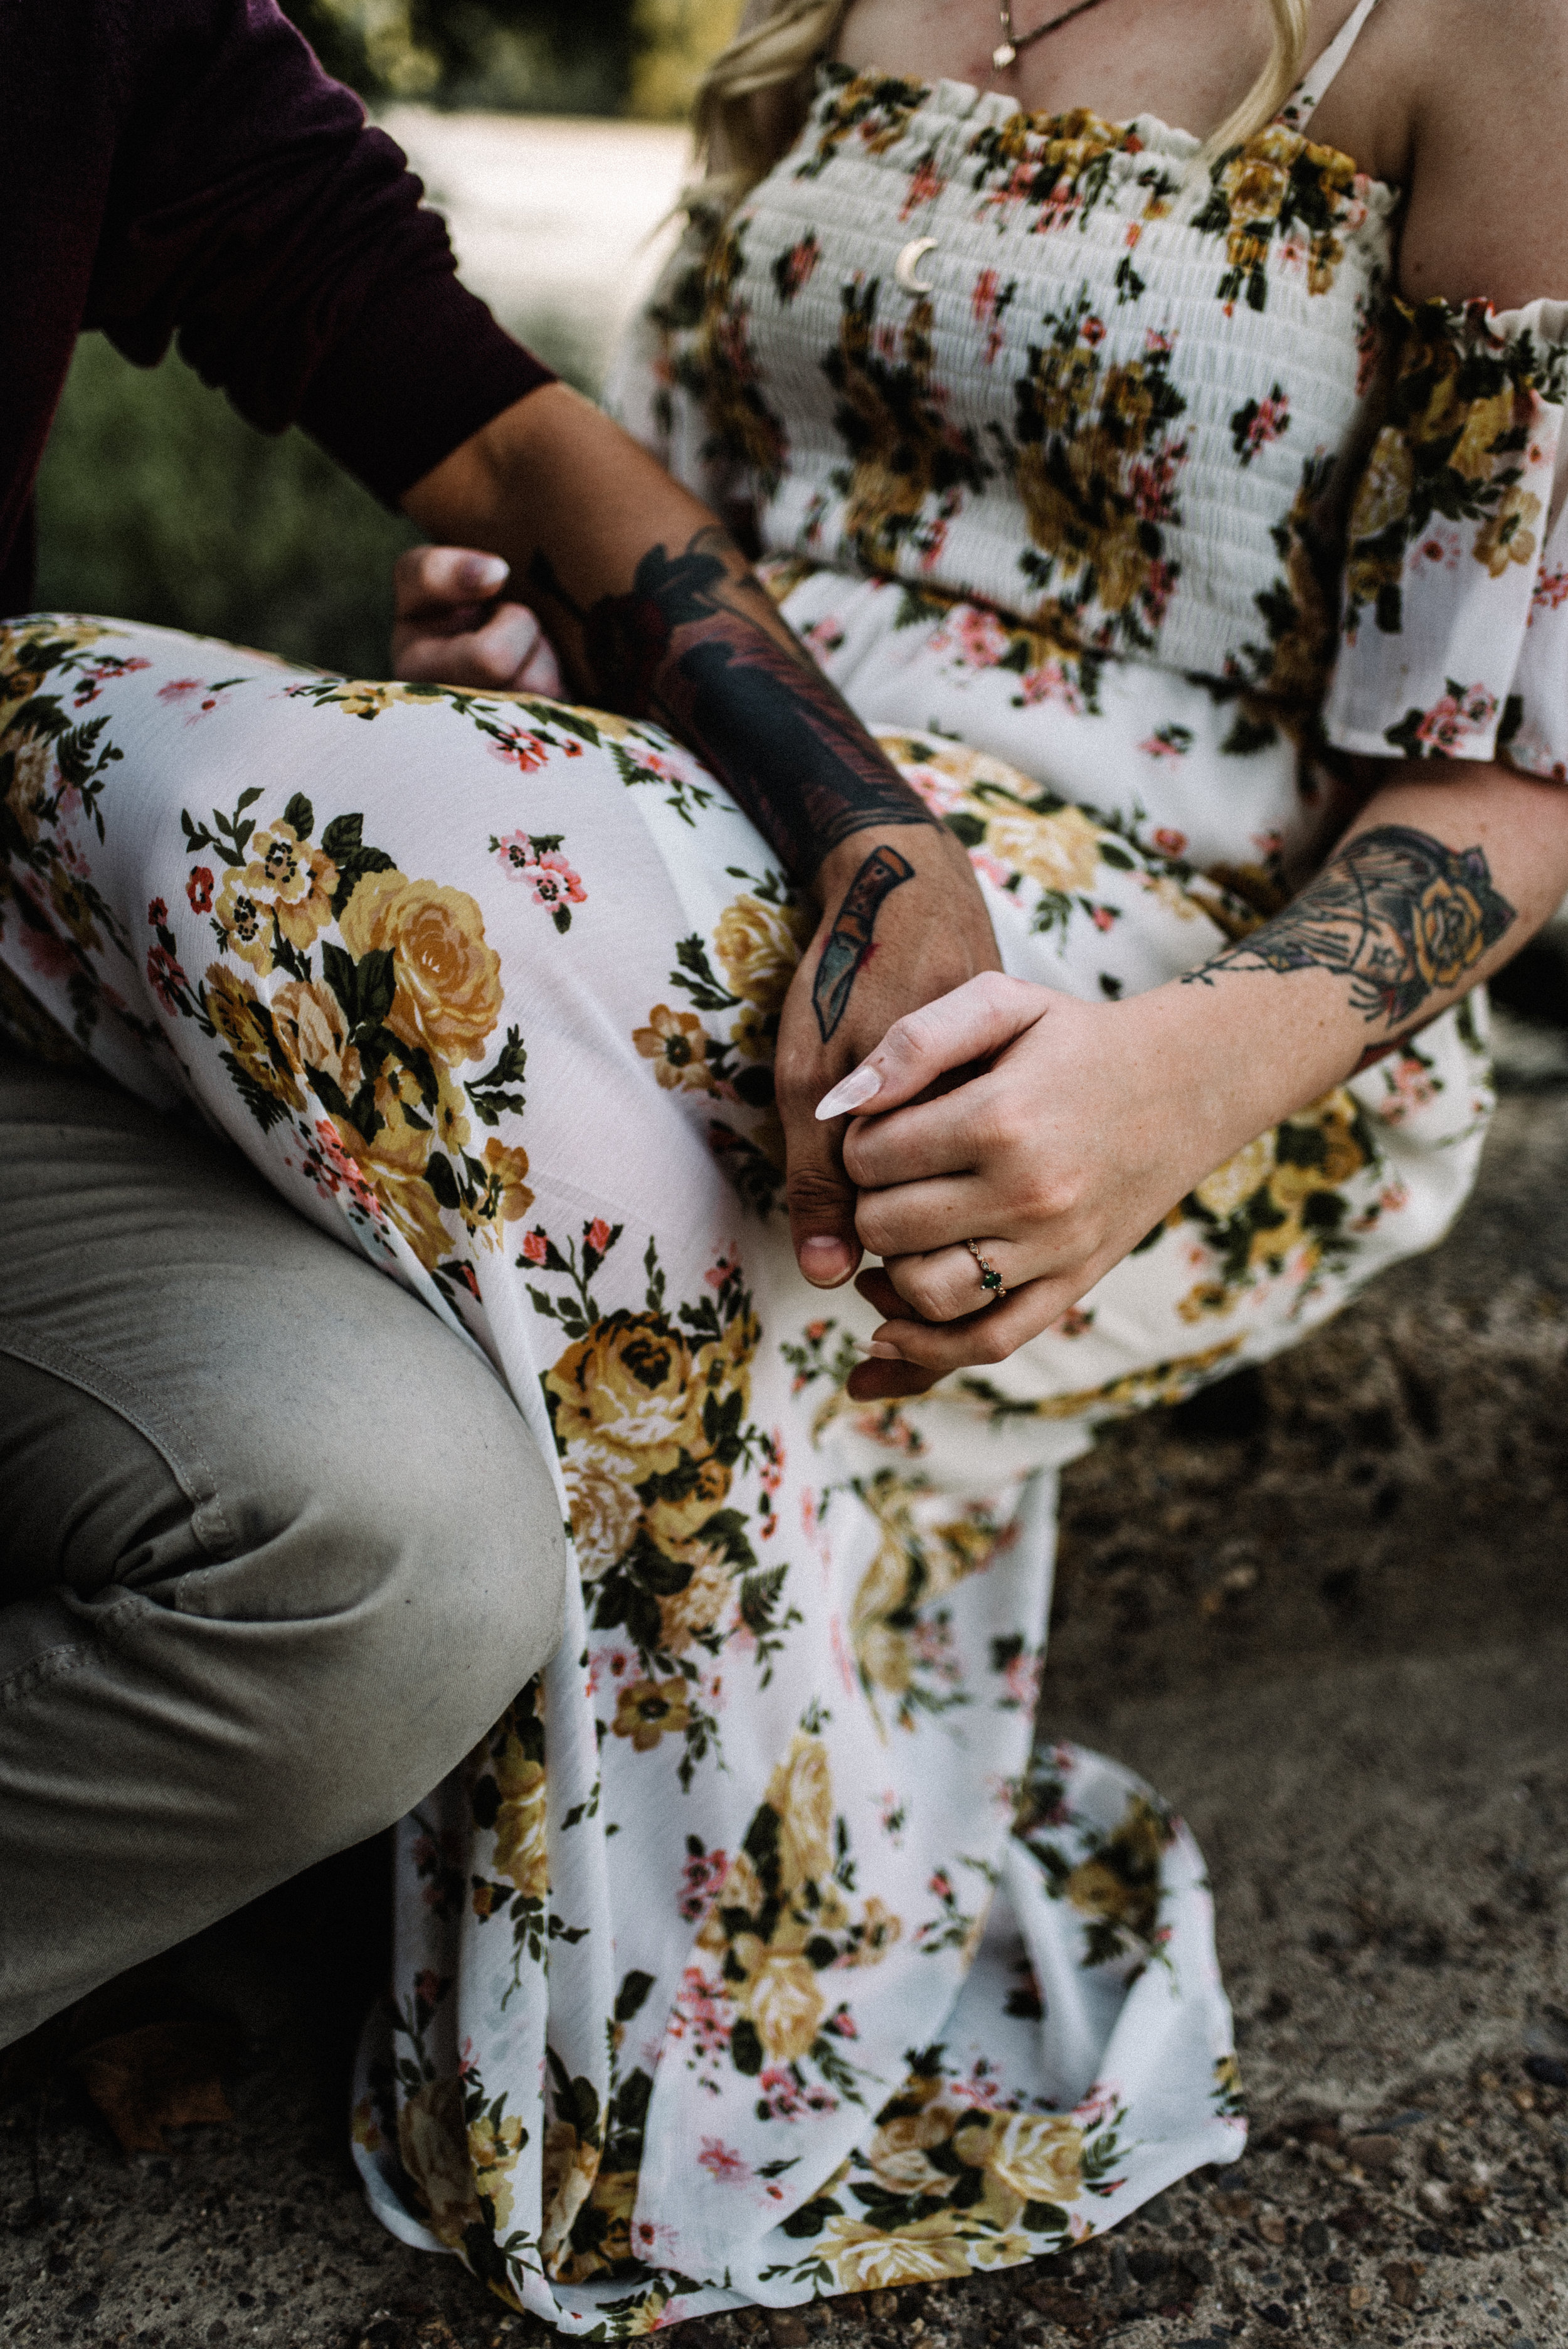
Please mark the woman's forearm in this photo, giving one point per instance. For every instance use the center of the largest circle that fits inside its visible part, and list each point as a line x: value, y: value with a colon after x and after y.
x: 1443, y: 877
x: 655, y: 612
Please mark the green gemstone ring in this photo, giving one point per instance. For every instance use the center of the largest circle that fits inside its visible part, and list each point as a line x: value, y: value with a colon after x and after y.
x: 990, y: 1278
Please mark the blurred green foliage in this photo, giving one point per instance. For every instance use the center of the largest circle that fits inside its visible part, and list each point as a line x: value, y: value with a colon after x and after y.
x: 158, y: 502
x: 545, y: 56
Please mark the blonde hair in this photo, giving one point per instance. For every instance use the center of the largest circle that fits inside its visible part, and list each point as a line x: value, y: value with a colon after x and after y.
x: 781, y: 42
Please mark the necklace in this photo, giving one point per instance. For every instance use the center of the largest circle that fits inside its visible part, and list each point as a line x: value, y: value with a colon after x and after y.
x: 1008, y: 47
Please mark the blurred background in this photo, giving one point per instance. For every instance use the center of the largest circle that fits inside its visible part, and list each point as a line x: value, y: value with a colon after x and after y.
x: 552, y: 133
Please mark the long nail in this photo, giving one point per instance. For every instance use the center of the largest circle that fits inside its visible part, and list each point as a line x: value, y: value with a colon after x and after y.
x: 861, y: 1085
x: 875, y: 1346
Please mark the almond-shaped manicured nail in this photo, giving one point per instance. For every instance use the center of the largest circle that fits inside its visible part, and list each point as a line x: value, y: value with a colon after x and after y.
x: 861, y: 1085
x: 885, y: 1353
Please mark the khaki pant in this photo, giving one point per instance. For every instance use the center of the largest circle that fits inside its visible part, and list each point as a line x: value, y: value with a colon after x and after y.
x: 274, y: 1548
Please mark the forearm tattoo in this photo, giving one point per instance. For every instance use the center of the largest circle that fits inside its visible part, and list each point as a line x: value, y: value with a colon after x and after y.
x: 849, y: 939
x: 692, y: 646
x: 1397, y: 913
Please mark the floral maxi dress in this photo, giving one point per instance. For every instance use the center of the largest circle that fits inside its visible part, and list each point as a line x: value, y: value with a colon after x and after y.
x: 758, y: 1953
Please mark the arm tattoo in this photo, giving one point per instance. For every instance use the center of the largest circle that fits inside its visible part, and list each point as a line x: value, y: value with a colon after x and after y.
x: 1397, y: 913
x: 694, y: 644
x: 849, y: 939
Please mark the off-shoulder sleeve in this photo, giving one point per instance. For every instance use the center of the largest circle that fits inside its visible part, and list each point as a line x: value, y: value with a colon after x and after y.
x: 1454, y: 635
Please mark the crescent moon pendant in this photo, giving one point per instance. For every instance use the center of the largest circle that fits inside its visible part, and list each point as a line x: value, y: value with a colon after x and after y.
x: 909, y: 260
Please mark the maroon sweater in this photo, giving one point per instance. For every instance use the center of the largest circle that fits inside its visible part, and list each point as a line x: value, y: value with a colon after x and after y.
x: 185, y: 166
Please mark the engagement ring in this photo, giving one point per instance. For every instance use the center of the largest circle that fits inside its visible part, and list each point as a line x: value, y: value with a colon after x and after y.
x: 990, y: 1278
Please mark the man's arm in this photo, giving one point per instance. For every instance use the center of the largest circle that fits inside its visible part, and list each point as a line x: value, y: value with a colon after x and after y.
x: 654, y: 611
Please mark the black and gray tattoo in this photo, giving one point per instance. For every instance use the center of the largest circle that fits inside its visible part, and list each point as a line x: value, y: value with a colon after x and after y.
x: 694, y: 645
x: 849, y: 939
x: 1400, y: 914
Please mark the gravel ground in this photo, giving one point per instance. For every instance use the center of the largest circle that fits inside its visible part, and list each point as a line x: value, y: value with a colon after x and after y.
x: 1320, y: 1608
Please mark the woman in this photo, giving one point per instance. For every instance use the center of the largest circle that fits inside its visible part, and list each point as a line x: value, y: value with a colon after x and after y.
x: 1048, y: 424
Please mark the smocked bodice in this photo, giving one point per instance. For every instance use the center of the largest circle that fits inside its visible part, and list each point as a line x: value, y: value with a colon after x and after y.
x: 1058, y: 364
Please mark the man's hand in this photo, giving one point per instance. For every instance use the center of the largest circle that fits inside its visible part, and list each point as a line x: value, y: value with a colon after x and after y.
x: 902, y: 922
x: 451, y: 626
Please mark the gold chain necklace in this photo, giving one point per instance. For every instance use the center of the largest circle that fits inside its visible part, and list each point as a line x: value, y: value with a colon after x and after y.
x: 1008, y: 47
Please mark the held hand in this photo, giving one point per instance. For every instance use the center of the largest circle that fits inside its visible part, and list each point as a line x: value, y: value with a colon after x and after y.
x: 1074, y: 1141
x: 449, y: 629
x: 903, y: 921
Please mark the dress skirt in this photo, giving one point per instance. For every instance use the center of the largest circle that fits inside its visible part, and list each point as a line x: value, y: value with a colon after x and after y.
x: 762, y: 1950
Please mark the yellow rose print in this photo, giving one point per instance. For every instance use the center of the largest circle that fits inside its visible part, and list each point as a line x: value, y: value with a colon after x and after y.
x: 433, y: 2141
x: 236, y: 1011
x: 449, y: 993
x: 629, y: 1383
x: 759, y: 945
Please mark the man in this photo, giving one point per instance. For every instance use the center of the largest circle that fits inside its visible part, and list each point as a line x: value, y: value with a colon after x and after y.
x: 275, y: 1548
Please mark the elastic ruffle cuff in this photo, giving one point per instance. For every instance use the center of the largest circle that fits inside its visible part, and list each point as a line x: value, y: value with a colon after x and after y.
x: 1454, y: 631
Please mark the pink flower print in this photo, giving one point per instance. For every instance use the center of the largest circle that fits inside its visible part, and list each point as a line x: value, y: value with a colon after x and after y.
x: 535, y: 1247
x: 1093, y: 332
x: 177, y: 688
x: 428, y: 1986
x: 794, y: 269
x: 652, y: 2241
x: 199, y: 889
x: 1157, y: 345
x: 718, y: 1274
x: 525, y: 751
x: 1050, y: 682
x: 597, y: 1236
x: 1551, y: 590
x: 554, y: 882
x: 983, y: 636
x: 701, y: 1878
x: 1022, y: 1680
x: 164, y: 976
x: 1463, y: 710
x: 723, y: 2163
x: 1074, y: 1322
x: 1170, y: 843
x: 990, y: 868
x: 51, y: 956
x: 825, y: 637
x: 941, y: 793
x: 337, y: 1168
x: 1253, y: 425
x: 1103, y: 918
x: 924, y: 187
x: 941, y: 1885
x: 1161, y: 584
x: 1169, y: 743
x: 983, y: 301
x: 156, y: 911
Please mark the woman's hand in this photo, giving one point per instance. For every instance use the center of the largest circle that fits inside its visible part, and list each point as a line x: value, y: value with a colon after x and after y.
x: 903, y: 923
x: 1081, y: 1133
x: 449, y: 627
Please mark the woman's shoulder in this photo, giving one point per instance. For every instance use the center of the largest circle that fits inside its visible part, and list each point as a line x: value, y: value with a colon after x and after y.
x: 1486, y: 214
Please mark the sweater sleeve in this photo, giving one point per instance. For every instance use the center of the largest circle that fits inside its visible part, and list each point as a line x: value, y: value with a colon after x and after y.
x: 253, y: 213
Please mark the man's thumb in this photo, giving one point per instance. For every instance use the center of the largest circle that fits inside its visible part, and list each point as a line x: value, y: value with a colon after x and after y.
x: 821, y: 1202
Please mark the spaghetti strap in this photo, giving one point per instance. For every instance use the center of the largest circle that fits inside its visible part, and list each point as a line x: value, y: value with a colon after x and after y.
x: 1314, y: 85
